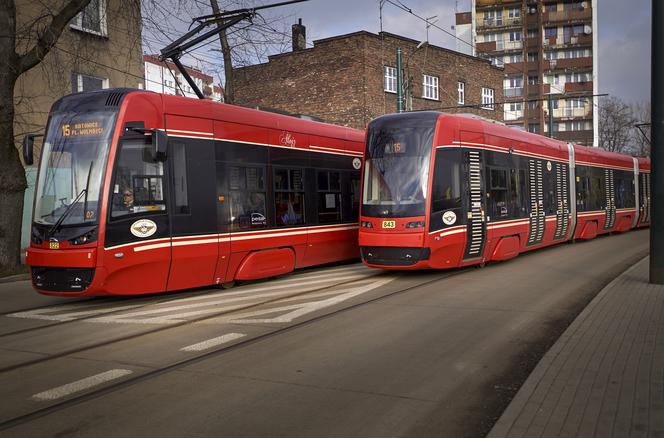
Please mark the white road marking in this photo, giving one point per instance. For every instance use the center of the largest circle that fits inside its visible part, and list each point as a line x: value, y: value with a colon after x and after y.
x: 204, y: 345
x: 43, y: 313
x: 80, y: 385
x: 298, y: 310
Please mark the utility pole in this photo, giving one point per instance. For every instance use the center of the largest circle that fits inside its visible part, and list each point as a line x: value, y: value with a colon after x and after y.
x: 399, y: 83
x: 656, y: 150
x: 550, y: 122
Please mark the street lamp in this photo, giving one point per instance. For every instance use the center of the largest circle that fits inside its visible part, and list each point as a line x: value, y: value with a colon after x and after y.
x: 407, y: 84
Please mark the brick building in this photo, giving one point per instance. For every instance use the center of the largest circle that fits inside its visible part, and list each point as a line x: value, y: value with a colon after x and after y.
x: 351, y: 79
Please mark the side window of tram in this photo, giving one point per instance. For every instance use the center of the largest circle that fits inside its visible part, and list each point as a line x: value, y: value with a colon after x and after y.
x: 289, y: 196
x: 447, y: 181
x: 497, y: 198
x: 329, y: 196
x: 247, y: 197
x: 139, y: 181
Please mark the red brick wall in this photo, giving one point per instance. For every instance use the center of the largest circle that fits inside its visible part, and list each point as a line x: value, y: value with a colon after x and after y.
x: 340, y: 80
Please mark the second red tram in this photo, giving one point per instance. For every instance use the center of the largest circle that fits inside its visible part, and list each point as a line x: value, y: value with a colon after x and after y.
x: 442, y: 191
x: 140, y: 192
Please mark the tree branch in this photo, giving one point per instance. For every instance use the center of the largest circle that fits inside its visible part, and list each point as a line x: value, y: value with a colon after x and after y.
x: 50, y: 35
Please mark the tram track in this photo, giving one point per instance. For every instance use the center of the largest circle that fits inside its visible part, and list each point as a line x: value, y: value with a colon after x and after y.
x: 176, y: 365
x: 146, y: 301
x: 170, y: 326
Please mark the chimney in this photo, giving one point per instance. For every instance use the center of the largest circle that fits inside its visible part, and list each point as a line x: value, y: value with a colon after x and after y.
x: 299, y: 36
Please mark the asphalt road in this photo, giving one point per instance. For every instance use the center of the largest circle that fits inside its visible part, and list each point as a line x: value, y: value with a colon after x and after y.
x: 338, y: 351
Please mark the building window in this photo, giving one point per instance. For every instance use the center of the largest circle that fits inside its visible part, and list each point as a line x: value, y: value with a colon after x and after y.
x: 429, y: 87
x: 532, y: 56
x: 390, y: 79
x: 80, y: 83
x: 533, y: 80
x: 533, y: 127
x: 461, y: 91
x: 92, y: 19
x: 514, y: 13
x: 487, y: 98
x: 532, y: 104
x: 515, y: 36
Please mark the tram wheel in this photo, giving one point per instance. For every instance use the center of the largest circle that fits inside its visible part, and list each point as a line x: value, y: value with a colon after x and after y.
x: 228, y: 284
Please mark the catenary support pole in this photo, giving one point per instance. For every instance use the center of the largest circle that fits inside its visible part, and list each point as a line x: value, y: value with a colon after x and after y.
x: 550, y: 118
x: 400, y: 99
x: 657, y: 146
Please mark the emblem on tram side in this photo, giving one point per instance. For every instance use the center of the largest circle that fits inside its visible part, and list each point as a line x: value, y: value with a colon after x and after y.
x: 357, y: 163
x: 143, y: 228
x: 287, y: 139
x: 548, y: 166
x: 449, y: 218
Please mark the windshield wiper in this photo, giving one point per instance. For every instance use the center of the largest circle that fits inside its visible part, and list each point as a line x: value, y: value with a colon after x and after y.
x: 70, y: 207
x: 59, y: 222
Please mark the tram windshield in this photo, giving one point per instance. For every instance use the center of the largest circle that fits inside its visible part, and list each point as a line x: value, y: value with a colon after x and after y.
x: 397, y: 166
x: 72, y: 166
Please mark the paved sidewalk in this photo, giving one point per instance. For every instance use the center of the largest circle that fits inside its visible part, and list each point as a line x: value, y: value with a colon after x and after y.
x: 604, y: 377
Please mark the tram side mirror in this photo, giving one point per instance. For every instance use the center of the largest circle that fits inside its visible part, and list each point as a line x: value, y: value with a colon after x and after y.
x: 159, y: 145
x: 28, y: 148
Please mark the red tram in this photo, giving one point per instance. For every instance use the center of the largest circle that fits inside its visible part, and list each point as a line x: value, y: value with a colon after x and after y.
x: 140, y: 192
x: 442, y: 191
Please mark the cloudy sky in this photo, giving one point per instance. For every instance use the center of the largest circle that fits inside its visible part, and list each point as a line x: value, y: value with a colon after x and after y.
x: 624, y: 32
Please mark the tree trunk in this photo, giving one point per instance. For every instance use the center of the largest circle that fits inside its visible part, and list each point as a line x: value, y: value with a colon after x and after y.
x: 229, y: 92
x: 12, y: 179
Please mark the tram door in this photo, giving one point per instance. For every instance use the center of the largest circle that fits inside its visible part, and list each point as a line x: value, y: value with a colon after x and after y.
x: 193, y: 223
x: 610, y: 199
x: 644, y: 197
x: 476, y: 219
x: 537, y: 212
x: 562, y: 201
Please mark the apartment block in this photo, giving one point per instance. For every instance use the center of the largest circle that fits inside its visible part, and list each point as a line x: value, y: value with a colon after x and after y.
x: 351, y: 79
x: 164, y: 77
x: 549, y: 51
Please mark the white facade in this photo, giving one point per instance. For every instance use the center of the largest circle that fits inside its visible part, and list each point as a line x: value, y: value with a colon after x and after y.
x: 162, y: 79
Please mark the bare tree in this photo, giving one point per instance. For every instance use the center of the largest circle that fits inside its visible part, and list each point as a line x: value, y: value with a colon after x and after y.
x: 641, y: 135
x: 16, y: 60
x: 616, y: 123
x: 243, y: 44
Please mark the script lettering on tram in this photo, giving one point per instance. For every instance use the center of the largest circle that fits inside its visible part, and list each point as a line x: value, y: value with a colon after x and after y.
x: 82, y: 129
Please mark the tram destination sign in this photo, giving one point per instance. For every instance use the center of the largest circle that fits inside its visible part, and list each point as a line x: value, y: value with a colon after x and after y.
x: 91, y: 128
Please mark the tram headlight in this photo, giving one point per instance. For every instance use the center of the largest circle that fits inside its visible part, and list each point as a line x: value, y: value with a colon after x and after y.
x: 88, y: 237
x: 417, y: 224
x: 366, y: 224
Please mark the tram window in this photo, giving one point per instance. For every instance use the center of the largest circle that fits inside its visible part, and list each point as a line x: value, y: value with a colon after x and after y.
x: 329, y: 197
x: 497, y: 195
x: 446, y: 189
x: 138, y: 185
x: 289, y: 196
x: 624, y: 189
x: 247, y: 197
x: 597, y: 195
x: 549, y: 183
x: 180, y: 195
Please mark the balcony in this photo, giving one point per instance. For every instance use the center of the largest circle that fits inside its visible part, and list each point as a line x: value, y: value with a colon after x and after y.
x: 509, y: 45
x: 539, y: 90
x: 487, y: 46
x: 572, y: 63
x: 479, y: 4
x: 570, y: 15
x: 567, y: 112
x: 492, y: 23
x: 575, y: 87
x: 513, y: 92
x: 533, y: 43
